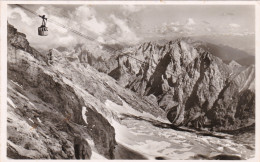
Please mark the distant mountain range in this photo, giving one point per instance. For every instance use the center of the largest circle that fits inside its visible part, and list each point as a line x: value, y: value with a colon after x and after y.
x: 245, y: 43
x: 227, y: 48
x: 228, y: 54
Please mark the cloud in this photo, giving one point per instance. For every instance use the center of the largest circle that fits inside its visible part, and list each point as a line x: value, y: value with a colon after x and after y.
x: 172, y: 27
x: 123, y: 31
x: 233, y: 25
x: 190, y: 22
x: 87, y: 21
x: 14, y: 12
x: 82, y: 19
x: 178, y: 28
x: 57, y: 35
x: 66, y: 40
x: 227, y: 14
x: 85, y: 11
x: 208, y: 29
x: 41, y: 11
x: 133, y: 8
x: 96, y: 26
x: 100, y: 39
x: 177, y: 23
x: 87, y: 17
x: 206, y: 22
x: 184, y: 28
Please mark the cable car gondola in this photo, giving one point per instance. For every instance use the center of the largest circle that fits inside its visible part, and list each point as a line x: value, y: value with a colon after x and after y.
x: 43, y: 29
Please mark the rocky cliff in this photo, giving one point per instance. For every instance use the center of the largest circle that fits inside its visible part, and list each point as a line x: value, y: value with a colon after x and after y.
x: 59, y: 110
x: 100, y: 60
x: 194, y: 87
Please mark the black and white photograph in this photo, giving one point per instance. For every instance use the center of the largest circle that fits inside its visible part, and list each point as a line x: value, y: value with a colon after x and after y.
x: 129, y: 81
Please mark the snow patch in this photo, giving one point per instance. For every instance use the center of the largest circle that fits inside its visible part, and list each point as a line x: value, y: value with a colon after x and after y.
x: 123, y: 134
x: 152, y: 148
x: 90, y: 142
x: 84, y: 110
x: 31, y: 120
x: 127, y: 109
x: 249, y: 80
x: 32, y: 104
x: 11, y: 102
x: 97, y: 156
x: 39, y: 120
x: 220, y: 148
x: 17, y: 84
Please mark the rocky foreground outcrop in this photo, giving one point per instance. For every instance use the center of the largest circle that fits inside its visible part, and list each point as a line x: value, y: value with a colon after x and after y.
x: 58, y: 110
x: 190, y: 84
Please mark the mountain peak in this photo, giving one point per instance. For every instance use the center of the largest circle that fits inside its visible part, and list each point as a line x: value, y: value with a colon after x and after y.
x: 179, y: 69
x: 233, y: 63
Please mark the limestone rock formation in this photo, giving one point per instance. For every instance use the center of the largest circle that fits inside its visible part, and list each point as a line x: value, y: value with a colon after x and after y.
x: 45, y: 114
x: 194, y: 87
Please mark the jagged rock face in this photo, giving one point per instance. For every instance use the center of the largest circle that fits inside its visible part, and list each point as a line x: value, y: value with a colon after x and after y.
x: 86, y: 57
x: 102, y: 65
x: 194, y: 87
x: 45, y: 117
x: 100, y: 135
x: 18, y: 41
x: 31, y: 120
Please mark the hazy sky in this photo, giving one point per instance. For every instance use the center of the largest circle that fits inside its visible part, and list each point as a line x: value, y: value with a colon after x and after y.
x: 131, y: 24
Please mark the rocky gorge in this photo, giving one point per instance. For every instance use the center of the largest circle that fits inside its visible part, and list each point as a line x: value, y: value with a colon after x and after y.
x: 179, y: 102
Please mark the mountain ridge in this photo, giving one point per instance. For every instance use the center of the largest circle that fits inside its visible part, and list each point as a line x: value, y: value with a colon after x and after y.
x: 177, y: 64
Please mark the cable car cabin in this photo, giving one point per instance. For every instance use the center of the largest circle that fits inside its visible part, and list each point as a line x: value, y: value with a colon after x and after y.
x: 43, y: 31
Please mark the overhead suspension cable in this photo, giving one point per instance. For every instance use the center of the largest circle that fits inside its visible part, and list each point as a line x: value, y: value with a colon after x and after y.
x: 78, y: 33
x: 82, y: 26
x: 85, y: 36
x: 65, y: 27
